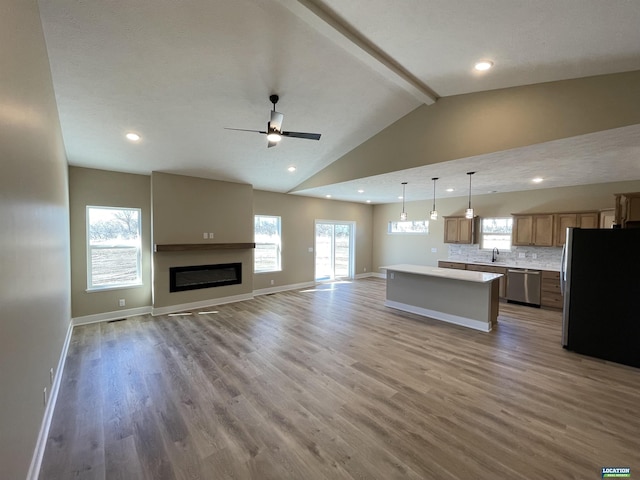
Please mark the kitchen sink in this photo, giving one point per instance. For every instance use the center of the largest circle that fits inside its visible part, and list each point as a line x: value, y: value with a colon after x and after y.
x: 481, y: 262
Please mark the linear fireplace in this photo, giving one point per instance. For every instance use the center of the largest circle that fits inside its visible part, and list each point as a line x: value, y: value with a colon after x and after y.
x: 204, y: 276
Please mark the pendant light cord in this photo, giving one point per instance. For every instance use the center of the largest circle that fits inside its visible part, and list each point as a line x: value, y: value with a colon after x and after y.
x: 470, y: 173
x: 404, y: 184
x: 434, y: 192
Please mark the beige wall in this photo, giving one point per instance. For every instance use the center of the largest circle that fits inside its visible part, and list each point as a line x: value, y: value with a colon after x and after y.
x: 462, y: 126
x: 108, y: 189
x: 298, y: 234
x: 416, y: 249
x: 34, y: 285
x: 183, y: 208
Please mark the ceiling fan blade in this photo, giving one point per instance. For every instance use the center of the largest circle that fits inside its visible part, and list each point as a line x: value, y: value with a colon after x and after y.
x: 271, y: 144
x: 276, y: 120
x: 308, y: 136
x: 244, y: 130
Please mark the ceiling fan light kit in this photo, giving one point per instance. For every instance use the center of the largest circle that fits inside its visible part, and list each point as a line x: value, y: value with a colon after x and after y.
x: 274, y: 130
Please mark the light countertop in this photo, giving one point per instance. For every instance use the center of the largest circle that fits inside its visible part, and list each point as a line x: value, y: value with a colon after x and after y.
x: 507, y: 265
x: 464, y: 275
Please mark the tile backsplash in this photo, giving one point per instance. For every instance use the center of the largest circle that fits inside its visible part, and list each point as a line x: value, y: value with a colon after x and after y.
x: 540, y: 257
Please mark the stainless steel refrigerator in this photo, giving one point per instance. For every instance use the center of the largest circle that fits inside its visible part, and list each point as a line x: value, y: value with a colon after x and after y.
x: 600, y: 278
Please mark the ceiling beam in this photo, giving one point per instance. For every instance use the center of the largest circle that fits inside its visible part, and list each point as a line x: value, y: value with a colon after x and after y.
x: 344, y: 35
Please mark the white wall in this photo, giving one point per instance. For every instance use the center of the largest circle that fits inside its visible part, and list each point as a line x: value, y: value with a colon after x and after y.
x: 34, y: 235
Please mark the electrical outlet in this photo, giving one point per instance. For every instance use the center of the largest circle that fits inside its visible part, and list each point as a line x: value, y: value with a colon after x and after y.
x: 272, y: 282
x: 392, y: 276
x: 210, y: 235
x: 434, y: 250
x: 205, y: 235
x: 44, y: 396
x: 534, y: 256
x: 51, y: 376
x: 521, y: 255
x: 121, y: 302
x: 365, y: 269
x: 310, y: 249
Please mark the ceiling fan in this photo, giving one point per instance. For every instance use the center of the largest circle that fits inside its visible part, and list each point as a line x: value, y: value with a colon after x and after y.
x: 274, y: 130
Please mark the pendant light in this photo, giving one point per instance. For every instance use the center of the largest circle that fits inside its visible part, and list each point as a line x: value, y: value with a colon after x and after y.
x: 403, y: 215
x: 469, y: 212
x: 434, y: 212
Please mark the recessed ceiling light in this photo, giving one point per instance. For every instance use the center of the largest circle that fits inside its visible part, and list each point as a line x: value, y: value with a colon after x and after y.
x: 134, y: 137
x: 400, y: 197
x: 292, y: 168
x: 368, y: 201
x: 360, y: 191
x: 328, y: 196
x: 449, y: 189
x: 537, y: 180
x: 483, y: 65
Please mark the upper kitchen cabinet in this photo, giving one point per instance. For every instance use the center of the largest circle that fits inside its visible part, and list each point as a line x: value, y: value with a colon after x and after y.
x: 567, y: 220
x: 460, y: 230
x: 607, y: 218
x: 534, y: 229
x: 628, y: 210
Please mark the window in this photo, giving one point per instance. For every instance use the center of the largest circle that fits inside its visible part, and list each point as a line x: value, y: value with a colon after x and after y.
x: 268, y: 246
x: 420, y: 227
x: 496, y: 233
x: 114, y: 253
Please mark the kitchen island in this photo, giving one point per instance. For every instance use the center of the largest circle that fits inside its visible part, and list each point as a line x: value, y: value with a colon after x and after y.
x: 462, y: 297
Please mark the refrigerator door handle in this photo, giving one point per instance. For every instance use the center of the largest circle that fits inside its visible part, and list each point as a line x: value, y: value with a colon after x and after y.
x: 562, y: 269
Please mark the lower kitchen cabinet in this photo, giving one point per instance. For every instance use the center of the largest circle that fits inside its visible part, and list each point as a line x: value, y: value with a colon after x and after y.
x: 551, y: 295
x: 456, y: 265
x: 491, y: 269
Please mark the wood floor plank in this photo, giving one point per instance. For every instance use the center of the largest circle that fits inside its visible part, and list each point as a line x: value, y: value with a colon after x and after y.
x: 327, y: 383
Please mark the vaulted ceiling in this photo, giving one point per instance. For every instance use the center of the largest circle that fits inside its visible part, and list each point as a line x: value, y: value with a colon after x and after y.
x: 178, y: 73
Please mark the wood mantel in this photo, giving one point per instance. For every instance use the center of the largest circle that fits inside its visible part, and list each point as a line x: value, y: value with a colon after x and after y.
x: 186, y: 247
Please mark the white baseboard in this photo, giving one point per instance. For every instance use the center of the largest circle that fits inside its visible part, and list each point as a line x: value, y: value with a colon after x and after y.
x: 41, y: 443
x: 202, y: 304
x: 445, y: 317
x: 283, y: 288
x: 379, y: 275
x: 108, y: 316
x: 365, y: 275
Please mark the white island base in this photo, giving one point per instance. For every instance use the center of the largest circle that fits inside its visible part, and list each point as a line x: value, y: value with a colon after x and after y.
x: 466, y: 298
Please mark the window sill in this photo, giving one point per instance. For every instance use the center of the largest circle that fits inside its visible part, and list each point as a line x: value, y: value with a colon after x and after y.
x: 267, y: 271
x: 114, y: 287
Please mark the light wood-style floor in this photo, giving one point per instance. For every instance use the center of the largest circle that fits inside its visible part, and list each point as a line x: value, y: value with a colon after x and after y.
x: 327, y: 383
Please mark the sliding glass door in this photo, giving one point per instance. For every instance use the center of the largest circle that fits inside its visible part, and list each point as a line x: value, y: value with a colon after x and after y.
x: 334, y: 250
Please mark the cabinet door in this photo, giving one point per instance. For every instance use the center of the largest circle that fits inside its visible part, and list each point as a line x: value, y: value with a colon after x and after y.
x: 465, y: 230
x: 607, y: 218
x: 451, y: 230
x: 543, y: 230
x: 564, y: 221
x: 588, y: 220
x: 522, y: 230
x: 633, y: 208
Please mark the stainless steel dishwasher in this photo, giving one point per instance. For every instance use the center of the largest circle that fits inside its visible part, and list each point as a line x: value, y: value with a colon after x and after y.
x: 523, y: 286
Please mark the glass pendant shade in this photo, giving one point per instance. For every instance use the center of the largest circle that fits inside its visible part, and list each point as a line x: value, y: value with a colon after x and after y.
x: 469, y: 211
x: 403, y: 215
x: 434, y: 213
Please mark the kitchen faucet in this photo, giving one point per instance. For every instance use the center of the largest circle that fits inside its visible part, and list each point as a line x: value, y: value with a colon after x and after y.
x: 494, y: 254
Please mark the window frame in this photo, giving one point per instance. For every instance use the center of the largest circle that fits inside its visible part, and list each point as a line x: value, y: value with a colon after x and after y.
x: 89, y: 248
x: 482, y: 234
x: 391, y: 231
x: 278, y: 245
